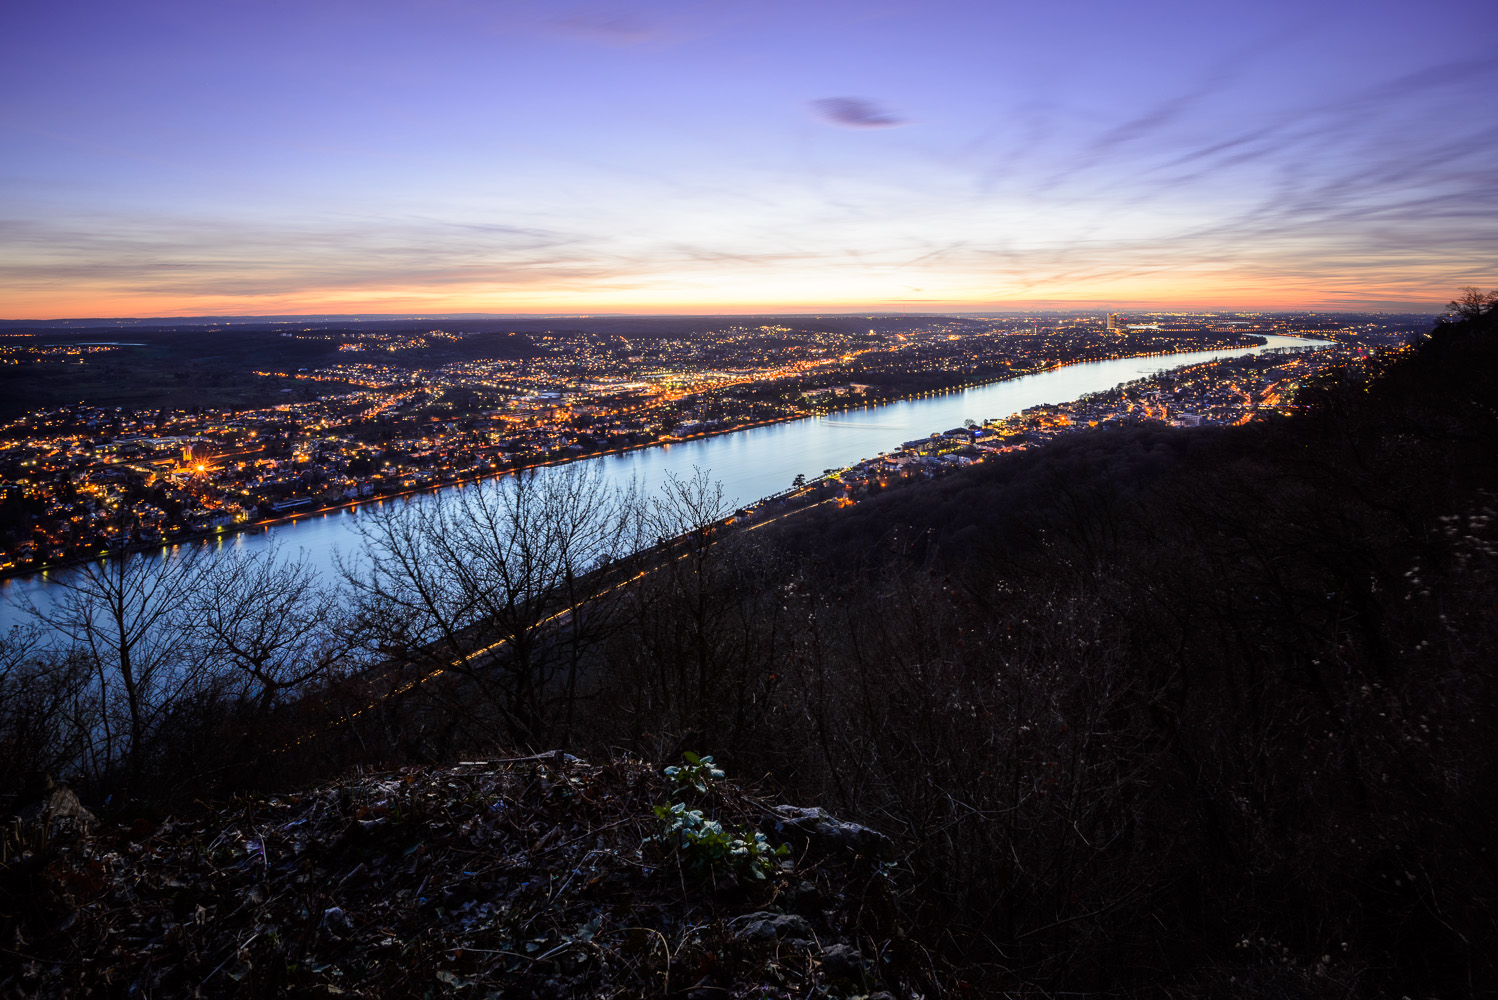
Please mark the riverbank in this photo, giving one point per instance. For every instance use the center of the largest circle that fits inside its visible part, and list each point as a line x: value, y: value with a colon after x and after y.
x: 754, y: 475
x: 257, y: 527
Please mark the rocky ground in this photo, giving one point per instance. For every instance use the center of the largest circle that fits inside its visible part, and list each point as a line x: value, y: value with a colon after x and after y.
x: 525, y: 877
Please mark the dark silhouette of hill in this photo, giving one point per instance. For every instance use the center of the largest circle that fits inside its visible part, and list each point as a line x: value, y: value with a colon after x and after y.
x: 1277, y: 640
x: 196, y: 365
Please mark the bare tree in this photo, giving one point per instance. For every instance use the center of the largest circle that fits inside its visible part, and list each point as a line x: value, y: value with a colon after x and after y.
x: 596, y: 528
x: 38, y: 692
x: 487, y: 582
x: 270, y: 618
x: 1472, y: 303
x: 690, y: 510
x: 705, y: 622
x: 128, y: 618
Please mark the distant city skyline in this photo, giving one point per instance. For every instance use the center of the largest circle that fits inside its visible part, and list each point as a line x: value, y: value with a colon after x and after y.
x: 166, y: 159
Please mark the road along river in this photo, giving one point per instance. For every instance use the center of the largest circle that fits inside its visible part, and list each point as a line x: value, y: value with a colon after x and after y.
x: 751, y: 463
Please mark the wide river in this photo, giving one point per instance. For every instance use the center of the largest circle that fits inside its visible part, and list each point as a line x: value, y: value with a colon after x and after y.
x: 752, y: 463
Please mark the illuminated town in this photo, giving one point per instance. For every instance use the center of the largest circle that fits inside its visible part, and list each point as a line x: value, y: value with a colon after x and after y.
x: 388, y: 415
x: 1226, y: 391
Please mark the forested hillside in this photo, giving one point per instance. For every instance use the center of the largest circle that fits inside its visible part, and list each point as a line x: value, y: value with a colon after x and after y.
x: 1206, y: 710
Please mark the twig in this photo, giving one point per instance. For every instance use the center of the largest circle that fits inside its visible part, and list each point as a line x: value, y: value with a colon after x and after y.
x: 588, y: 833
x: 555, y: 756
x: 237, y: 949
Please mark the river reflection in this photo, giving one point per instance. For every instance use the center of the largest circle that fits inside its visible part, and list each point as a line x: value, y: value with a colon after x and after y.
x: 752, y: 463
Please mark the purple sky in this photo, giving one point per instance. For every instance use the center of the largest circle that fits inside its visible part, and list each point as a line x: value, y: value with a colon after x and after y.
x: 445, y: 156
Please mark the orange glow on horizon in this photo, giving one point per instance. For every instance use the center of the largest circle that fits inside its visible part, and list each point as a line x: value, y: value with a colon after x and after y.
x: 1205, y: 293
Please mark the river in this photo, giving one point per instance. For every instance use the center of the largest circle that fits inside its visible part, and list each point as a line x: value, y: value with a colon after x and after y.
x: 751, y: 463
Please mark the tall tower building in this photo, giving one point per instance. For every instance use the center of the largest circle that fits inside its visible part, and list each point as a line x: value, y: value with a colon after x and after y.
x: 1113, y: 324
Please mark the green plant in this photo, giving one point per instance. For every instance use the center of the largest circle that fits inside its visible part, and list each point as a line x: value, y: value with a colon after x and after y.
x: 706, y: 844
x: 697, y: 773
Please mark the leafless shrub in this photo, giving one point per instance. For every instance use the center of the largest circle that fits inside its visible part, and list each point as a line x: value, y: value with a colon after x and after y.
x: 269, y: 620
x: 127, y: 618
x: 44, y: 707
x: 487, y: 584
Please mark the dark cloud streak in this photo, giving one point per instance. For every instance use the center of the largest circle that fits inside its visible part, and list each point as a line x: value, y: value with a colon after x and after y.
x: 854, y: 112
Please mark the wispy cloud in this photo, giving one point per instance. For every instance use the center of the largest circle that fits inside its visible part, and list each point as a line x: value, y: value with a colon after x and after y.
x: 196, y: 257
x: 609, y: 27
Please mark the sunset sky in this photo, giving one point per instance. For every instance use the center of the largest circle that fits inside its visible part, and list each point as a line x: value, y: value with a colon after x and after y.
x: 442, y: 156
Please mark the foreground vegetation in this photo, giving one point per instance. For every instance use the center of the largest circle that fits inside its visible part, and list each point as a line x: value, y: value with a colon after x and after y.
x: 542, y: 876
x: 1148, y: 711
